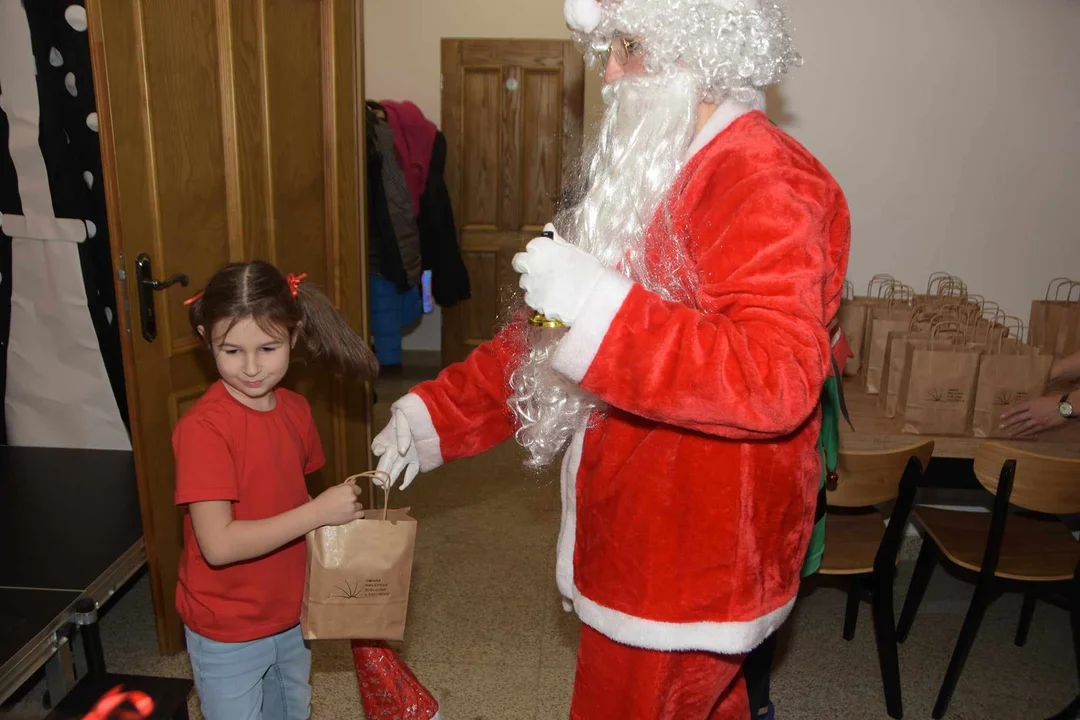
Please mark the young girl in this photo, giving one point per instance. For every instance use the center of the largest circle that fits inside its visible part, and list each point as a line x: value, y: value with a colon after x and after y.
x: 241, y: 456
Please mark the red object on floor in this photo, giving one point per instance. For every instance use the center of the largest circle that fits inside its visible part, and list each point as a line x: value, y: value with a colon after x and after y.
x: 619, y: 682
x: 388, y: 688
x: 118, y: 704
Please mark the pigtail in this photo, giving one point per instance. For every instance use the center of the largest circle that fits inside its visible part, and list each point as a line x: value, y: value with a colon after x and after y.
x: 196, y: 316
x: 329, y: 339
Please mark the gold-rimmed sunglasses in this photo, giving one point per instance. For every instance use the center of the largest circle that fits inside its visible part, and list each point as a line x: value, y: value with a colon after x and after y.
x: 623, y: 49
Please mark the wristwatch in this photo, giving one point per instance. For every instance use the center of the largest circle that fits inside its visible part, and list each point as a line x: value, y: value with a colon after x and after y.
x: 1066, y: 408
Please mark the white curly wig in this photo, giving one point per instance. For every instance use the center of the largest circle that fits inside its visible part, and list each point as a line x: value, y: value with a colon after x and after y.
x: 732, y: 47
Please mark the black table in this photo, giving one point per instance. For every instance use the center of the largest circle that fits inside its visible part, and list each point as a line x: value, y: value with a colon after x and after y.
x: 70, y: 530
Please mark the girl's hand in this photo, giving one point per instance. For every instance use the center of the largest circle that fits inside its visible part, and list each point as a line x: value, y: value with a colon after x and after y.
x: 338, y: 505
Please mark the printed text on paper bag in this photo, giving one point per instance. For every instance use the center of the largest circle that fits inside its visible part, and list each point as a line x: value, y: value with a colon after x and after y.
x: 369, y: 588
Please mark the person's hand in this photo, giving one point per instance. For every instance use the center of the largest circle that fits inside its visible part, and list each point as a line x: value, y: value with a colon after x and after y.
x: 396, y: 450
x: 1032, y: 417
x: 557, y: 277
x: 338, y: 505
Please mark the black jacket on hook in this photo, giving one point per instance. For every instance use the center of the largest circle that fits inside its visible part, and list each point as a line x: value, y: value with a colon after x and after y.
x: 438, y: 234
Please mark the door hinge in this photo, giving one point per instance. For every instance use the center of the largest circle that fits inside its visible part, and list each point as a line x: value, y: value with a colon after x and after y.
x: 442, y: 82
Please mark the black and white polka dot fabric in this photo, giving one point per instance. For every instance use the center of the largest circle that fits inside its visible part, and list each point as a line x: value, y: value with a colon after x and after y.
x: 58, y: 307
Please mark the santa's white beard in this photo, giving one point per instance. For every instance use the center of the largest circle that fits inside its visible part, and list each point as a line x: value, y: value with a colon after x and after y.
x: 647, y: 127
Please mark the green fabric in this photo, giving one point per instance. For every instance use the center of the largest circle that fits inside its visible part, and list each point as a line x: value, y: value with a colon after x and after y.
x: 829, y: 447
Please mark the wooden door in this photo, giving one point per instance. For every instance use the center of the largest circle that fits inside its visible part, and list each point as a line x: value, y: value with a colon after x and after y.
x: 230, y: 131
x: 512, y: 115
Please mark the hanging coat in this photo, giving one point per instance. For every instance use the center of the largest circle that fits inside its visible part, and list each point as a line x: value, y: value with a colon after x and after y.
x: 414, y: 136
x: 438, y: 234
x: 384, y: 257
x: 400, y: 203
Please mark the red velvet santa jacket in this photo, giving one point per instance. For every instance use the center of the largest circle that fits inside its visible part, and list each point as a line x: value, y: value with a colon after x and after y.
x: 688, y: 506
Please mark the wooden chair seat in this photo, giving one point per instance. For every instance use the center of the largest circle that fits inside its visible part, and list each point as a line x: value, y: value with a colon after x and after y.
x: 851, y: 543
x: 1033, y: 549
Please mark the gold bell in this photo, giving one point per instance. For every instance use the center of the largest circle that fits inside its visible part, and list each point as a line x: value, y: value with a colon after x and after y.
x: 541, y: 320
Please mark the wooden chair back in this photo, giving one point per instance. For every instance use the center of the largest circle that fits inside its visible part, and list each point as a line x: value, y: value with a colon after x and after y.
x: 873, y: 477
x: 1041, y: 483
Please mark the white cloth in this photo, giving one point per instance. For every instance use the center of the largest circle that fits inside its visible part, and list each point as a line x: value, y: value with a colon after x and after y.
x: 58, y: 391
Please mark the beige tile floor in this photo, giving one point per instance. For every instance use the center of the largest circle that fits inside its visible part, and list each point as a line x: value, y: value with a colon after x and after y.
x: 486, y: 633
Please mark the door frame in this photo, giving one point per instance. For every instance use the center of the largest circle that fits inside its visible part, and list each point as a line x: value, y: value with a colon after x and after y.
x: 346, y: 210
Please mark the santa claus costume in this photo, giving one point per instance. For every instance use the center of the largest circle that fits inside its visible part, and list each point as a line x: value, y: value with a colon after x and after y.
x: 696, y: 277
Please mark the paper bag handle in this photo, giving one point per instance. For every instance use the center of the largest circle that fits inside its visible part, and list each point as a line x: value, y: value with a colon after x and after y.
x: 380, y: 475
x: 1054, y: 288
x: 899, y: 294
x: 936, y: 279
x: 1008, y: 321
x: 886, y: 287
x: 953, y: 287
x: 879, y: 279
x: 1069, y: 297
x: 993, y: 320
x: 923, y: 314
x: 947, y: 327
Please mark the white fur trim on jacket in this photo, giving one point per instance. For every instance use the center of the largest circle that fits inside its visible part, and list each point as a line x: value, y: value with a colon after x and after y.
x: 726, y: 113
x: 564, y: 563
x: 578, y: 349
x: 582, y: 15
x: 725, y: 638
x: 423, y: 430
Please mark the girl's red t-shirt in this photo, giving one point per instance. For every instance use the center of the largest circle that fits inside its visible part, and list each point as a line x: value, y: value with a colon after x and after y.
x: 256, y: 460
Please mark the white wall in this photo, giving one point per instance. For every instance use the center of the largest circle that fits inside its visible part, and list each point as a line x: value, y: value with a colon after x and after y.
x: 962, y: 156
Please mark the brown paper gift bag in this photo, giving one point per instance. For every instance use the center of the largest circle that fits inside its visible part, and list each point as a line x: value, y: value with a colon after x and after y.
x: 894, y: 317
x: 892, y: 371
x: 923, y: 320
x: 852, y: 315
x: 358, y: 576
x: 939, y: 386
x: 895, y: 364
x: 1049, y: 322
x: 1010, y: 373
x: 1069, y: 335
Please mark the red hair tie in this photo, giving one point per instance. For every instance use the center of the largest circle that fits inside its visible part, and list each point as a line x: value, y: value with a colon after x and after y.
x: 294, y: 282
x: 194, y: 298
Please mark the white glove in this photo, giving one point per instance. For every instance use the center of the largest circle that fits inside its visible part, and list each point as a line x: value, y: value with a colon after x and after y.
x: 557, y: 277
x: 396, y: 451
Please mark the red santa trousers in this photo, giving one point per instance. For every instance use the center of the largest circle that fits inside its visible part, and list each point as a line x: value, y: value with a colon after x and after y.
x: 619, y: 682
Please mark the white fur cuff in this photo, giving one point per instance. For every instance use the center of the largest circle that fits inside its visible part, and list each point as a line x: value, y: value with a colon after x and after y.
x: 578, y: 349
x: 423, y: 430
